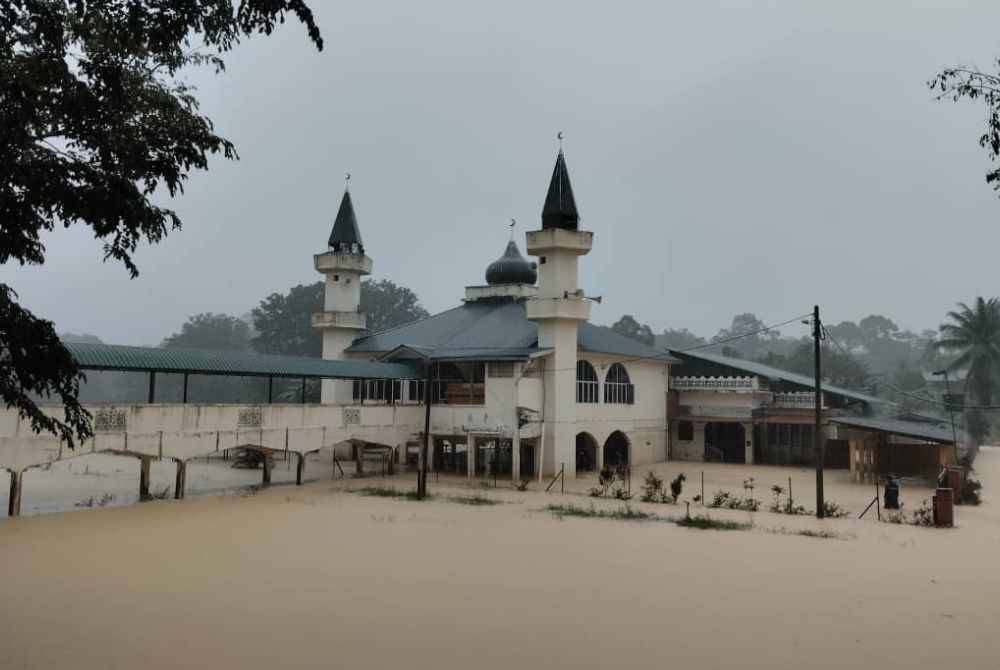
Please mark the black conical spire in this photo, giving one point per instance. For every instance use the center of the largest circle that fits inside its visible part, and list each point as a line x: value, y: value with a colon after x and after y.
x: 346, y: 237
x: 560, y: 208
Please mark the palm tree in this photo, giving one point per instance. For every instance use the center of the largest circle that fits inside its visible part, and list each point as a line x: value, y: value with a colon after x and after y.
x: 974, y: 334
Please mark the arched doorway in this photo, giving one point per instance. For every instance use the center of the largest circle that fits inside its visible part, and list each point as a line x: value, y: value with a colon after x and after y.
x: 616, y: 450
x: 586, y: 452
x: 725, y: 441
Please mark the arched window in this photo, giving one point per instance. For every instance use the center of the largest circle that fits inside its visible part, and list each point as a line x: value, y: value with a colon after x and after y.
x: 618, y: 387
x: 586, y: 382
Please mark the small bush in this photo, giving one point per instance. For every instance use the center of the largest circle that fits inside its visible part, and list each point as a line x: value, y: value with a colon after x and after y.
x: 704, y: 522
x: 832, y: 510
x: 652, y: 488
x: 924, y: 515
x: 103, y: 501
x: 724, y: 500
x: 677, y: 485
x: 523, y: 485
x: 969, y: 494
x: 161, y: 494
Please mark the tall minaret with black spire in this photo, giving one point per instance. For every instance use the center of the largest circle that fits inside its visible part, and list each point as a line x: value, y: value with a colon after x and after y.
x: 341, y: 321
x: 558, y: 309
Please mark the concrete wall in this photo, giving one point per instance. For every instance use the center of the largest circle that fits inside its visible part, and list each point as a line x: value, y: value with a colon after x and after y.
x: 186, y: 431
x: 644, y: 422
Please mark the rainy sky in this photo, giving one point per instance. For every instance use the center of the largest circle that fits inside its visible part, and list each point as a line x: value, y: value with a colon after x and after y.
x: 758, y: 157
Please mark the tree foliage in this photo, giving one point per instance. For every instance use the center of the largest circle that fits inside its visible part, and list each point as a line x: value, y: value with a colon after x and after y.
x: 216, y: 332
x: 629, y: 327
x: 972, y: 334
x: 35, y: 364
x: 95, y: 119
x: 974, y: 85
x: 284, y: 320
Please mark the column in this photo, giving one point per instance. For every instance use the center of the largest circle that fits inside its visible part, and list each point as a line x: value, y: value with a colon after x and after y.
x: 748, y: 436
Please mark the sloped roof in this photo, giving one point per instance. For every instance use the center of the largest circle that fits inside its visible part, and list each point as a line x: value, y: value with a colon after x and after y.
x: 919, y: 430
x: 238, y: 363
x: 494, y: 329
x: 770, y: 372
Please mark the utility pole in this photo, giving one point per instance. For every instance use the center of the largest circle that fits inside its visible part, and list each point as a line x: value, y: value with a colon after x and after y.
x: 950, y: 402
x: 818, y: 447
x: 422, y: 470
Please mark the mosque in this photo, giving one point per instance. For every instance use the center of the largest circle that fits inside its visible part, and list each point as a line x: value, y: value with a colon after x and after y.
x: 557, y: 392
x: 514, y: 382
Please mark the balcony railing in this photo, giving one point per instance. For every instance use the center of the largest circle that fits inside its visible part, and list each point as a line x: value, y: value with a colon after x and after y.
x: 713, y: 383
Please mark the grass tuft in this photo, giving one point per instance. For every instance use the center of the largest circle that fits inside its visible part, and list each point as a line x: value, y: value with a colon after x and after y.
x: 822, y: 534
x: 625, y: 513
x: 389, y: 492
x: 708, y: 523
x: 474, y: 500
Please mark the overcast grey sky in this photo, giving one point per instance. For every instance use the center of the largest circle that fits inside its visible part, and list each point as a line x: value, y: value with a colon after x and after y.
x: 758, y: 157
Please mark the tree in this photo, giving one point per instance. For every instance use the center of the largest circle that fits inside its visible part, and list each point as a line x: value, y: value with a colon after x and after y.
x: 974, y: 335
x: 877, y: 327
x: 388, y: 305
x: 973, y: 84
x: 748, y: 335
x: 218, y: 332
x: 284, y: 320
x: 839, y: 369
x: 96, y: 119
x: 679, y: 339
x: 629, y: 327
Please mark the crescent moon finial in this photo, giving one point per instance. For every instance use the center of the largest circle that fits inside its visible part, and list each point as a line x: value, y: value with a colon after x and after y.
x: 559, y: 136
x: 347, y: 179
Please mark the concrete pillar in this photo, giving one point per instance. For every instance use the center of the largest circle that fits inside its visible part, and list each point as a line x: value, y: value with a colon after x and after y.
x: 470, y: 461
x: 266, y: 478
x: 14, y: 499
x: 144, y: 463
x: 748, y: 437
x: 300, y: 466
x: 598, y: 456
x: 179, y: 480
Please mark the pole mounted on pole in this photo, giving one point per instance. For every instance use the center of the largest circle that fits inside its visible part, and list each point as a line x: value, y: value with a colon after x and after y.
x: 818, y: 430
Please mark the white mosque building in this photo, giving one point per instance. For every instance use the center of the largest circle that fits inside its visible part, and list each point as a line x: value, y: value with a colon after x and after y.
x: 519, y: 380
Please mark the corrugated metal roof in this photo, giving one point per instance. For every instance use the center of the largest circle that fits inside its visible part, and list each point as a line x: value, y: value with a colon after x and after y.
x: 495, y: 329
x: 775, y: 373
x: 145, y: 359
x: 921, y: 431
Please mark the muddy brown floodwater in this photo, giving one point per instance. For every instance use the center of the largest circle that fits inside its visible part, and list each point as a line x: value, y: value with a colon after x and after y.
x: 318, y: 577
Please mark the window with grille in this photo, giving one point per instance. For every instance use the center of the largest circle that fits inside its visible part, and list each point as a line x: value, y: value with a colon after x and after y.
x: 587, y: 385
x: 618, y: 388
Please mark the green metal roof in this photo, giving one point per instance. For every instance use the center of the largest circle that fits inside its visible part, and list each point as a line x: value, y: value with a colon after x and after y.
x: 236, y: 363
x: 770, y: 372
x: 495, y: 330
x: 919, y: 430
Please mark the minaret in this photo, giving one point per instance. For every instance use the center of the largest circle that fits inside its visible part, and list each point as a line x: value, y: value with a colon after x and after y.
x: 558, y: 309
x: 341, y: 320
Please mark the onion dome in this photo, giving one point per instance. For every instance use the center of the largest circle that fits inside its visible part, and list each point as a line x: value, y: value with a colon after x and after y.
x: 511, y: 268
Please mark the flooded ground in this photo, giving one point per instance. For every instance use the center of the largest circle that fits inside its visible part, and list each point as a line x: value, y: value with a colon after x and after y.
x: 318, y: 576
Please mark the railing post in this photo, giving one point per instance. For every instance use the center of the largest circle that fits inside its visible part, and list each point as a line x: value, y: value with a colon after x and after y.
x: 562, y: 478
